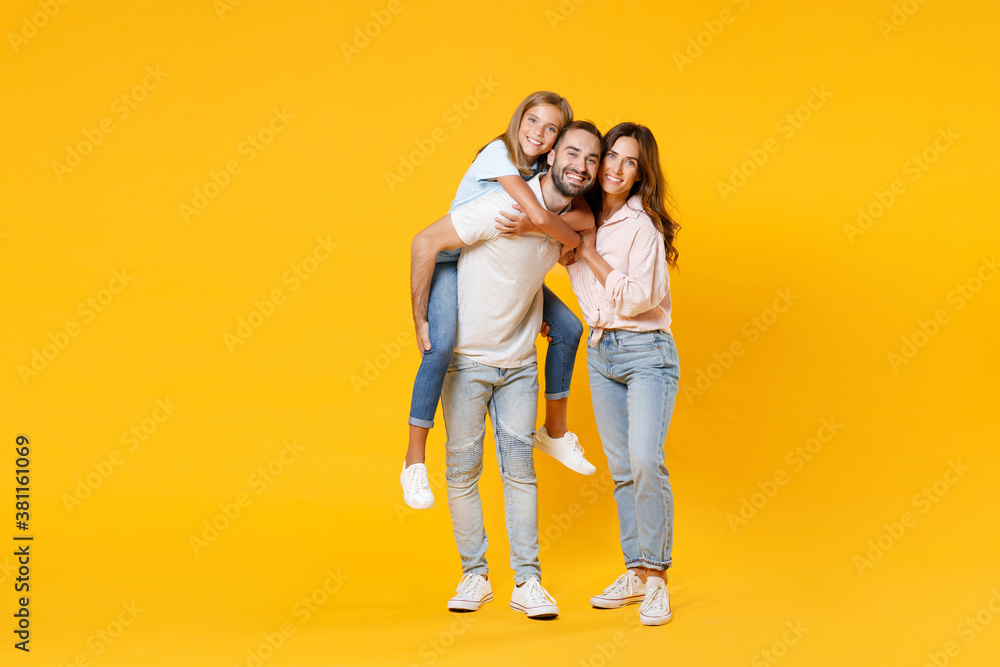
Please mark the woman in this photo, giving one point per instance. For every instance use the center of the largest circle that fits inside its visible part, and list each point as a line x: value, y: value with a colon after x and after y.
x: 620, y: 276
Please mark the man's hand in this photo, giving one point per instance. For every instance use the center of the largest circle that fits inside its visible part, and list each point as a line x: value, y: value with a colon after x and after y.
x: 545, y: 332
x: 423, y: 336
x: 511, y: 224
x: 436, y: 237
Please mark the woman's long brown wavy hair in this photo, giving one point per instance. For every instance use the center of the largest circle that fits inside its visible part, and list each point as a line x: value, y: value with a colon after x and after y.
x: 650, y: 182
x: 509, y: 138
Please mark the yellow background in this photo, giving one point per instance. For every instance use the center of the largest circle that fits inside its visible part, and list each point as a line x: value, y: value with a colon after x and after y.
x: 336, y: 505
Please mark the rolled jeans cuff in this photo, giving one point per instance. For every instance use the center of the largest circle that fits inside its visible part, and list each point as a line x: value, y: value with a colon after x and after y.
x: 423, y: 423
x: 520, y: 579
x: 556, y: 396
x: 648, y: 564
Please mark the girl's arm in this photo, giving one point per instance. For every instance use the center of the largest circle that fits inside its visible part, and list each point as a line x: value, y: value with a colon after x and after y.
x: 546, y: 221
x: 580, y: 218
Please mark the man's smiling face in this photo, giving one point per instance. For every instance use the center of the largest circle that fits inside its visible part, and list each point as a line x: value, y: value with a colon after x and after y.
x: 574, y: 162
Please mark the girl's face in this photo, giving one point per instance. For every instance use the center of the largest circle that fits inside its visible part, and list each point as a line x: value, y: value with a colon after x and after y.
x: 620, y: 166
x: 539, y: 128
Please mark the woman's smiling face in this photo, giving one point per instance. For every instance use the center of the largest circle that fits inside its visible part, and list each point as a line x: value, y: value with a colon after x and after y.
x: 620, y: 166
x: 539, y: 128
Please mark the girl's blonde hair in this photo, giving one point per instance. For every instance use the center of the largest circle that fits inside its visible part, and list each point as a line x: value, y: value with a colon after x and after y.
x: 509, y: 138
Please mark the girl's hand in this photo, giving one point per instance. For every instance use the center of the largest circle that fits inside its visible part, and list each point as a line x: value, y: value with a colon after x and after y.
x: 568, y: 257
x: 512, y: 224
x: 545, y: 332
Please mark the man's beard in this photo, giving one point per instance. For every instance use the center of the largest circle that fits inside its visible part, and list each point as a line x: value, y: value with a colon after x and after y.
x: 568, y: 188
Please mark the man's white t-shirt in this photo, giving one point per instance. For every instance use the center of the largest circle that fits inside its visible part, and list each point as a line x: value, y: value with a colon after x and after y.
x: 500, y: 283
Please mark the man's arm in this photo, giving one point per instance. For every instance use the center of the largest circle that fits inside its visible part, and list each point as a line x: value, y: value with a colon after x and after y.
x: 436, y: 237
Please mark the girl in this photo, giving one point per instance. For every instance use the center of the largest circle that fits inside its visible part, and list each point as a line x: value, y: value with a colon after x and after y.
x: 621, y: 279
x: 506, y: 162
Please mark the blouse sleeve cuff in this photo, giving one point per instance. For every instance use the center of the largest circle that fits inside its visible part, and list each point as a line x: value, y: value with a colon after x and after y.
x: 612, y: 284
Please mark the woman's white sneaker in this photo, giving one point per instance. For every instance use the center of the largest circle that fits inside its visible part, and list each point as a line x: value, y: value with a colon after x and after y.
x: 472, y: 593
x: 416, y: 489
x: 533, y: 600
x: 627, y: 589
x: 655, y: 607
x: 566, y: 450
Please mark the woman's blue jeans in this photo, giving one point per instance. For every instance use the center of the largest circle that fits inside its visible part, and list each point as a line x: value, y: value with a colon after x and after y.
x: 565, y: 329
x: 633, y: 383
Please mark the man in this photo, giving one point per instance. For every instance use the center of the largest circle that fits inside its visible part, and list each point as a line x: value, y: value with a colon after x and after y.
x: 494, y: 368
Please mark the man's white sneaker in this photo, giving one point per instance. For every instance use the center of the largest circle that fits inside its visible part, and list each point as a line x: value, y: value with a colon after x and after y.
x: 627, y: 589
x: 416, y: 489
x: 472, y: 593
x: 533, y: 600
x: 566, y: 450
x: 655, y: 607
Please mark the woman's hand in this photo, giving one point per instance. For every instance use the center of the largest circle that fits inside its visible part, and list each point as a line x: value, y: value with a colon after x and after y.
x: 588, y: 243
x: 587, y: 251
x: 512, y: 224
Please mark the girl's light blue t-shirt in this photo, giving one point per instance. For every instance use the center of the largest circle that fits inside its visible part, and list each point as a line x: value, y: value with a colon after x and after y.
x: 480, y: 179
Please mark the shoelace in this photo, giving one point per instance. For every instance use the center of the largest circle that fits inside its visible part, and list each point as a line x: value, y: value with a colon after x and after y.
x: 622, y: 583
x: 657, y: 601
x: 574, y: 443
x: 536, y: 594
x: 417, y: 481
x: 468, y: 585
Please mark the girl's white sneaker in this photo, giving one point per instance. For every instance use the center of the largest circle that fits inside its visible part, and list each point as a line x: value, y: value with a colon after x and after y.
x: 416, y: 489
x: 566, y: 450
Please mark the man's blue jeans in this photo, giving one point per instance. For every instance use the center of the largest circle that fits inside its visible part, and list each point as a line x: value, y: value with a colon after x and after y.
x: 510, y: 395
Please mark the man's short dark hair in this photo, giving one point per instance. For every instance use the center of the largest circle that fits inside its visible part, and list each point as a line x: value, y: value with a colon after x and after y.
x: 585, y: 125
